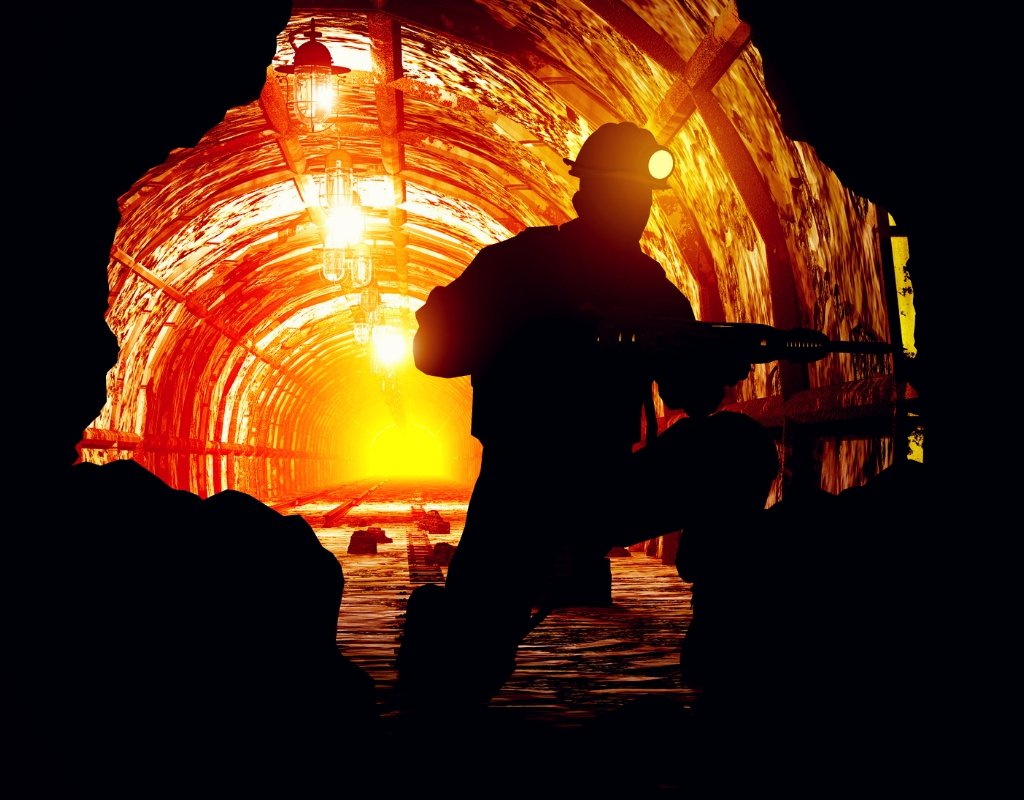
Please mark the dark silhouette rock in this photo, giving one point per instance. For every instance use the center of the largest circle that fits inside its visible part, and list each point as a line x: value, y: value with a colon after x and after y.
x: 196, y: 636
x: 168, y: 641
x: 826, y: 85
x: 362, y: 543
x: 806, y: 629
x: 149, y: 105
x: 432, y: 522
x: 838, y: 88
x: 442, y: 553
x: 379, y: 535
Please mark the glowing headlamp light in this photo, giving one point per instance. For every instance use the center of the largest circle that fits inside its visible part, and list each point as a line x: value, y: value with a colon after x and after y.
x: 660, y: 164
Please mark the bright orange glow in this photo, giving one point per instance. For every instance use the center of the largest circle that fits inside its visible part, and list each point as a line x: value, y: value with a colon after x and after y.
x: 412, y: 451
x: 323, y: 101
x: 390, y: 346
x: 345, y: 225
x: 315, y: 94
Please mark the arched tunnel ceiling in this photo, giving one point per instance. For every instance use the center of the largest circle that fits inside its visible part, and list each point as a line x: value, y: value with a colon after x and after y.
x: 457, y: 116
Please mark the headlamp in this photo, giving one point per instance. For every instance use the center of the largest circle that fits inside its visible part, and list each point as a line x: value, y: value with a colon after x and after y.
x: 660, y: 164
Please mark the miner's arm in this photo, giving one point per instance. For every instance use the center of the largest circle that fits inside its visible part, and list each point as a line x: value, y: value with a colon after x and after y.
x: 460, y: 324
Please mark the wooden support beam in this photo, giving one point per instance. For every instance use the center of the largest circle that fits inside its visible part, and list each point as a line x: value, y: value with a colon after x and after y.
x: 503, y: 215
x: 697, y: 255
x: 205, y: 315
x: 709, y: 62
x: 512, y: 181
x: 873, y: 400
x: 389, y: 86
x: 275, y: 111
x: 760, y: 204
x: 386, y: 57
x: 457, y: 101
x: 577, y: 95
x: 102, y: 439
x: 634, y: 28
x: 692, y: 91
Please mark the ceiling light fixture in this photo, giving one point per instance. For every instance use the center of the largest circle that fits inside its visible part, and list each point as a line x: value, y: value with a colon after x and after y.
x: 345, y: 256
x: 314, y: 80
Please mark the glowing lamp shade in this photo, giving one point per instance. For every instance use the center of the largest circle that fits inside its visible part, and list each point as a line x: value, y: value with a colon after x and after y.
x: 315, y: 95
x: 361, y: 331
x: 369, y: 300
x: 361, y: 266
x: 336, y: 185
x: 314, y: 80
x: 660, y: 164
x: 362, y: 327
x: 333, y: 266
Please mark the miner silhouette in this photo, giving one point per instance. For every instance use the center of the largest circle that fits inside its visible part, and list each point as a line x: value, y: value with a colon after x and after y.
x: 559, y: 413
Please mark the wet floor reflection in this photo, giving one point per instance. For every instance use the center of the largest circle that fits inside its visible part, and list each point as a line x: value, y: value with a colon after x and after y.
x: 577, y: 664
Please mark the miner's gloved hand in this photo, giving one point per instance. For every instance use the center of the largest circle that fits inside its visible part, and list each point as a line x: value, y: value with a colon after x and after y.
x: 699, y: 386
x: 732, y: 371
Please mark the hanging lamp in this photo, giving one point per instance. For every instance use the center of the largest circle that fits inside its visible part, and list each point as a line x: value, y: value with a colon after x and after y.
x: 314, y: 80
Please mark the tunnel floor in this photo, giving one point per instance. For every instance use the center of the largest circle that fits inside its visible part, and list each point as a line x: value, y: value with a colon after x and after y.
x: 595, y: 701
x: 579, y: 663
x: 596, y: 705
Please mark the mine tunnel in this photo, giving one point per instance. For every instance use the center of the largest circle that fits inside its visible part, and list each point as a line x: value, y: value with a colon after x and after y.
x: 262, y: 283
x: 265, y: 350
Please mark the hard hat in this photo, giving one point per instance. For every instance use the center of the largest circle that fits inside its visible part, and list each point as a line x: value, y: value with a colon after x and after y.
x: 623, y: 151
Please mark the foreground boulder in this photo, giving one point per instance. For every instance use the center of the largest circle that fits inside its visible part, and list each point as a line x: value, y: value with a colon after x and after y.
x: 190, y: 636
